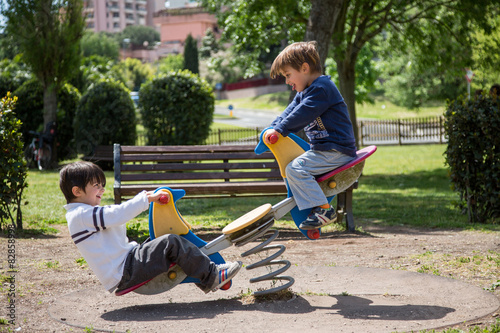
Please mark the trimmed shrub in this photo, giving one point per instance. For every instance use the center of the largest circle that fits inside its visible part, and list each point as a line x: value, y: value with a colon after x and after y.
x: 13, y: 169
x: 473, y: 154
x: 105, y: 115
x: 176, y: 109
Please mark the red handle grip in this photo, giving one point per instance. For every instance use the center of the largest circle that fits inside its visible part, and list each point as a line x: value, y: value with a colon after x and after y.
x: 164, y: 199
x: 273, y: 138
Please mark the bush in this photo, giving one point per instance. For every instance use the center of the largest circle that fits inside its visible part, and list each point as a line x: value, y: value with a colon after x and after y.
x: 13, y: 169
x: 132, y: 73
x: 473, y: 154
x: 29, y: 109
x: 105, y: 115
x: 177, y: 109
x: 13, y: 73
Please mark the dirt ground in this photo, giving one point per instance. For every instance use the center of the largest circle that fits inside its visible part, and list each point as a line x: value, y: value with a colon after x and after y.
x: 49, y: 267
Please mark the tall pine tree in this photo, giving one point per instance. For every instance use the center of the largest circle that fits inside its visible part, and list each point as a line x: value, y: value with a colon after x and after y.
x: 191, y: 55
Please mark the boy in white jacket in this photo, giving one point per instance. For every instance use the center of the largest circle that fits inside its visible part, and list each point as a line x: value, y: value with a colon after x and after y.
x: 100, y: 235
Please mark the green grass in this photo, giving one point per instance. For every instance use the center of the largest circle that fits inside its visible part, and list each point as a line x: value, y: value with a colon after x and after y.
x: 381, y: 109
x: 494, y: 328
x: 401, y: 185
x: 408, y: 185
x: 216, y: 126
x: 272, y: 102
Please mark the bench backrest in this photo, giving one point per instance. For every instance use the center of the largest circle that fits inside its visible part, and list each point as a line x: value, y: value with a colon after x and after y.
x: 165, y: 165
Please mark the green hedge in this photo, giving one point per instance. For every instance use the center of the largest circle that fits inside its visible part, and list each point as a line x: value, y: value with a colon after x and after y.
x: 176, y: 109
x: 13, y: 169
x: 473, y: 154
x: 105, y: 115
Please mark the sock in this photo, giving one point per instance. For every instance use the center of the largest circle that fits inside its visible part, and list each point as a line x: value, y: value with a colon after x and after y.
x: 325, y: 206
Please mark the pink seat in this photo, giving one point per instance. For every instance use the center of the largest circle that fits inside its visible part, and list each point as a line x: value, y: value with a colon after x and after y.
x: 362, y: 155
x: 126, y: 291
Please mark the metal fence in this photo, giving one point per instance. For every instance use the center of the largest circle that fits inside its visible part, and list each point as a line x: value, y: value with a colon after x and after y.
x: 241, y: 136
x: 427, y: 130
x: 234, y: 136
x: 402, y: 131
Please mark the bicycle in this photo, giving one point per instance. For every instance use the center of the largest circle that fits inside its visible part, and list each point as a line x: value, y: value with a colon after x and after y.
x: 39, y: 152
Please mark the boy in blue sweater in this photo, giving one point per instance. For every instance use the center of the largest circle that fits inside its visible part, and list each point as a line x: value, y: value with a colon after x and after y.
x: 320, y: 110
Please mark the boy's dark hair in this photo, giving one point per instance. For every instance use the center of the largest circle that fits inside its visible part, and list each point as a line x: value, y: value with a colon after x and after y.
x: 79, y: 174
x: 295, y: 55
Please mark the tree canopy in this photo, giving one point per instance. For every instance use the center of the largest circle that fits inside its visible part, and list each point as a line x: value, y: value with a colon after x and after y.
x: 100, y: 44
x: 344, y: 27
x: 49, y: 34
x: 140, y: 36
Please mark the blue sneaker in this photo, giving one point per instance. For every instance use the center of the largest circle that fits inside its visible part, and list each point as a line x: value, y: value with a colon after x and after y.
x: 225, y: 272
x: 319, y: 217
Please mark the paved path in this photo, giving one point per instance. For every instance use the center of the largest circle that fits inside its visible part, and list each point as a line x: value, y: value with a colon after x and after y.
x: 331, y: 299
x: 246, y: 117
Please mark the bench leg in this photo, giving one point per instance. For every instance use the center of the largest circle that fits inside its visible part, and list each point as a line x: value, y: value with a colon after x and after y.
x: 344, y: 208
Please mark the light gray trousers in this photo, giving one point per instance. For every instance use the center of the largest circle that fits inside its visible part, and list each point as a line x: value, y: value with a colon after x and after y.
x: 301, y: 171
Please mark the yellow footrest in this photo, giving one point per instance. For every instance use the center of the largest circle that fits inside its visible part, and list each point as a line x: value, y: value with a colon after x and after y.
x: 247, y: 219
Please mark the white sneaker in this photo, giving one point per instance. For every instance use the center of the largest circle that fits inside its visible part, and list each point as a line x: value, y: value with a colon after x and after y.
x: 225, y: 272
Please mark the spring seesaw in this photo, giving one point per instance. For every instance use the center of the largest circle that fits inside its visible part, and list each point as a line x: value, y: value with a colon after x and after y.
x: 286, y: 149
x: 165, y: 219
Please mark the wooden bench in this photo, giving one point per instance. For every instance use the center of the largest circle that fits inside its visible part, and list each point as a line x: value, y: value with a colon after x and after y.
x: 102, y: 156
x: 205, y: 172
x: 202, y: 171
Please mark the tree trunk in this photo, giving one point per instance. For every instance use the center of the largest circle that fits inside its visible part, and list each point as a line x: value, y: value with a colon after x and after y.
x: 322, y: 19
x: 347, y: 82
x: 49, y: 115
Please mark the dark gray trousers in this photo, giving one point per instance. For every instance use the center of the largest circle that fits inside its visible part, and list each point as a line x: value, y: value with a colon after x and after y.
x: 147, y: 260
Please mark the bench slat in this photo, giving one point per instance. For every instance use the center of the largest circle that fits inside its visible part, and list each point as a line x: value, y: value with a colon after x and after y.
x: 199, y: 166
x: 198, y: 176
x: 166, y: 157
x: 212, y: 188
x: 184, y: 149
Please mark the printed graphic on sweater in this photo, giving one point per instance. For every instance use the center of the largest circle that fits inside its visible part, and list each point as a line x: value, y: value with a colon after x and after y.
x: 316, y: 130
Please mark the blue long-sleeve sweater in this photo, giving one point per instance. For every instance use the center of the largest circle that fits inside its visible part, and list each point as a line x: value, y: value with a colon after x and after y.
x: 321, y: 111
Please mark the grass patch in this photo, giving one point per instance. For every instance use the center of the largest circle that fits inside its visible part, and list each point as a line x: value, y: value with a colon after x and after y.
x: 216, y: 126
x: 381, y: 109
x: 401, y: 185
x: 273, y: 102
x: 384, y: 109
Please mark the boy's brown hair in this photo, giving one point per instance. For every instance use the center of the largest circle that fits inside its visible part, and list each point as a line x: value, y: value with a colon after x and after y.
x: 79, y: 174
x: 295, y: 55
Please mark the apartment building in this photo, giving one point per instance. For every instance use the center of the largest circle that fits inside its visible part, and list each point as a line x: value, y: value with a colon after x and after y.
x: 174, y: 19
x: 175, y: 24
x: 115, y: 15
